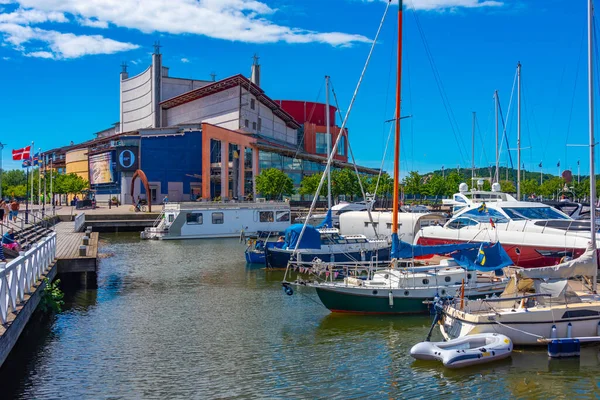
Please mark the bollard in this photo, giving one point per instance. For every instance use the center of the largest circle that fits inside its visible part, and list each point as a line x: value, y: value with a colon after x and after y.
x: 88, y: 229
x: 86, y: 240
x: 83, y: 250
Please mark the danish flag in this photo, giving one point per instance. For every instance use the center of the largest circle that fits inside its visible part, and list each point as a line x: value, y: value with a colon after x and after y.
x: 22, y: 154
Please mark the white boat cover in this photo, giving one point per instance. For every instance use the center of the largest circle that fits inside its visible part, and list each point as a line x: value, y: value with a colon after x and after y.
x: 584, y: 265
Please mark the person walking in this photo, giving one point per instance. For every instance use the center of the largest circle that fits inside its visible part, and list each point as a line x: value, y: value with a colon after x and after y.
x: 2, y: 211
x: 14, y: 210
x: 6, y: 211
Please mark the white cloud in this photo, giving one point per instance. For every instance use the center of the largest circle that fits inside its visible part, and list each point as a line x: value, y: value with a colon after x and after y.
x: 93, y: 23
x: 185, y: 60
x: 235, y: 20
x: 429, y: 5
x: 29, y: 17
x: 61, y: 45
x: 6, y: 58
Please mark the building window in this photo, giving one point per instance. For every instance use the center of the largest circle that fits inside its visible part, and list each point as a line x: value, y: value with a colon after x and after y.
x: 259, y: 124
x: 252, y: 104
x: 153, y: 191
x: 254, y: 126
x: 321, y: 139
x: 194, y: 218
x: 217, y: 218
x: 246, y: 123
x: 341, y: 150
x: 265, y: 216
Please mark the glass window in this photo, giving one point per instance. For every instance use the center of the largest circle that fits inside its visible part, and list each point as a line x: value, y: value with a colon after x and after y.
x: 521, y: 213
x: 341, y: 149
x: 484, y: 216
x: 461, y: 223
x: 321, y: 143
x: 194, y: 218
x: 265, y: 216
x: 171, y: 218
x: 246, y: 123
x: 282, y: 216
x: 217, y: 218
x: 259, y: 124
x: 254, y: 125
x: 252, y: 104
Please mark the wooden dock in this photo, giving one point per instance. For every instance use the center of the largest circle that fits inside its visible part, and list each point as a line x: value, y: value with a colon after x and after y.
x: 67, y: 249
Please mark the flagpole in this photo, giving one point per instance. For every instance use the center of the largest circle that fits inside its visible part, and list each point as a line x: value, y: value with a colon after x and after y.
x: 1, y: 148
x: 45, y: 181
x: 31, y: 164
x: 27, y: 197
x: 39, y: 177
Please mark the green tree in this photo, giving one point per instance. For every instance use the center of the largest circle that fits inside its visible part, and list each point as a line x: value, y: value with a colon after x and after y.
x: 274, y: 183
x: 18, y: 191
x: 310, y: 183
x: 451, y: 183
x: 413, y: 183
x: 344, y: 182
x: 508, y: 187
x: 385, y: 187
x: 529, y: 187
x: 435, y: 186
x: 551, y: 187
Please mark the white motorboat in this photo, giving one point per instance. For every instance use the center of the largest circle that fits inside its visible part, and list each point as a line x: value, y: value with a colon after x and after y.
x: 533, y: 234
x: 409, y: 224
x: 465, y: 351
x: 538, y: 304
x: 201, y: 220
x: 336, y: 211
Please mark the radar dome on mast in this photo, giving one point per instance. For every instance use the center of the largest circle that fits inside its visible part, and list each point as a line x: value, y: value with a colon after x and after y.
x: 463, y: 188
x: 495, y: 187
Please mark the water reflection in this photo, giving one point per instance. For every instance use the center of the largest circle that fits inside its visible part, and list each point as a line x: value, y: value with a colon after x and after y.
x: 190, y: 320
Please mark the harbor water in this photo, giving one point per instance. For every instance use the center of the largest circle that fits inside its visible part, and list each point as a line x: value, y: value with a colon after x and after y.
x: 188, y: 319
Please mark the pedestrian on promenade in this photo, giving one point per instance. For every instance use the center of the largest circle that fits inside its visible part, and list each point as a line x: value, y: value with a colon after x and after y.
x: 9, y: 241
x: 14, y: 210
x: 166, y: 199
x: 2, y: 210
x: 6, y: 211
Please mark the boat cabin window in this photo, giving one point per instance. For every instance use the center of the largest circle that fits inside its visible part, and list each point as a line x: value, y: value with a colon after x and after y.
x: 217, y: 218
x: 461, y: 223
x: 282, y: 216
x: 522, y: 213
x: 194, y: 218
x: 331, y: 238
x: 569, y: 210
x: 484, y: 216
x: 265, y: 216
x: 171, y: 218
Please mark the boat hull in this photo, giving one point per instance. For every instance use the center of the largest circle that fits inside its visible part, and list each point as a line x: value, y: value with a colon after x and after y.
x: 377, y: 301
x: 255, y: 257
x: 276, y: 258
x: 524, y: 329
x: 524, y: 255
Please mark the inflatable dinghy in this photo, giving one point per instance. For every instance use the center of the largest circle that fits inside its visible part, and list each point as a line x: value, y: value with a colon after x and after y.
x: 466, y: 350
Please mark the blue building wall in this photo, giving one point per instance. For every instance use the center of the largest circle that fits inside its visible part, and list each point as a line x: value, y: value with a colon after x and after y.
x: 171, y: 158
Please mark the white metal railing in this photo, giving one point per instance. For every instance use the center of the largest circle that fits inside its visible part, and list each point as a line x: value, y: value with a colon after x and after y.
x: 79, y: 222
x: 18, y: 276
x: 199, y: 205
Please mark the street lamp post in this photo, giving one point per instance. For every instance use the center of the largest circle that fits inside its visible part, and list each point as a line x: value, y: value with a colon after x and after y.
x: 1, y: 148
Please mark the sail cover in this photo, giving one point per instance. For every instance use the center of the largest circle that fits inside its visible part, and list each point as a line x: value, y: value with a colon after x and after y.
x: 327, y: 222
x: 311, y: 239
x: 584, y: 265
x: 488, y: 257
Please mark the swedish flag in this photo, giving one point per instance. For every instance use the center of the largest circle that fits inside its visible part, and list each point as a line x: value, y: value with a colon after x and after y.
x: 480, y: 256
x: 482, y: 208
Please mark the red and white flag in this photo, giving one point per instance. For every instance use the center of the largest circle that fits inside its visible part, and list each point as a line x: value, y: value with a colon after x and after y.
x: 22, y: 154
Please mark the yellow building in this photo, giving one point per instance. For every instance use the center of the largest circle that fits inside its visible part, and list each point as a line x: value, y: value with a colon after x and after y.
x: 77, y: 162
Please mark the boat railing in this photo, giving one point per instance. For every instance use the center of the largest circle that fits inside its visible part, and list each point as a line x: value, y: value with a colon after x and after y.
x: 17, y: 278
x: 159, y: 219
x: 220, y: 205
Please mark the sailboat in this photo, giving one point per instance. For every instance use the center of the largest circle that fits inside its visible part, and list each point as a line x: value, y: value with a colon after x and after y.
x: 400, y: 286
x: 542, y: 304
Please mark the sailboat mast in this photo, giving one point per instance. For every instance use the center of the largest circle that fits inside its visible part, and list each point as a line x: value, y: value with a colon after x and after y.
x: 328, y: 136
x: 592, y: 141
x: 473, y: 151
x: 397, y: 135
x: 519, y: 131
x: 497, y: 176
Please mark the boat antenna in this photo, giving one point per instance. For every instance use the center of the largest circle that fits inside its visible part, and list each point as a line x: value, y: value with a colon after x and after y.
x: 395, y: 209
x: 592, y: 141
x: 342, y: 128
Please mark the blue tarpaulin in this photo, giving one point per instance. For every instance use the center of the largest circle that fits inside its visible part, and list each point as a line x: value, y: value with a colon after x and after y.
x: 311, y: 239
x: 327, y: 222
x: 402, y: 249
x: 488, y: 257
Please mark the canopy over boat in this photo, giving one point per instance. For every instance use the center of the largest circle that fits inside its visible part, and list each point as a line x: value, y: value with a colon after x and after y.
x: 489, y: 257
x: 311, y: 239
x: 402, y: 249
x: 584, y: 265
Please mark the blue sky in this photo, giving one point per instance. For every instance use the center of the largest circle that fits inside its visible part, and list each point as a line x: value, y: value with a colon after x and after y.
x: 61, y: 60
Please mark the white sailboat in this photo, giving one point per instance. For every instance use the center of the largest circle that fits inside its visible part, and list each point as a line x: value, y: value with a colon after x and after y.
x: 544, y: 303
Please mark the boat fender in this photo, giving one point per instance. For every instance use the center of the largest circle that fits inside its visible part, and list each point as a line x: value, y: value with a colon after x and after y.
x: 569, y: 329
x: 287, y: 289
x: 391, y: 299
x: 553, y: 332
